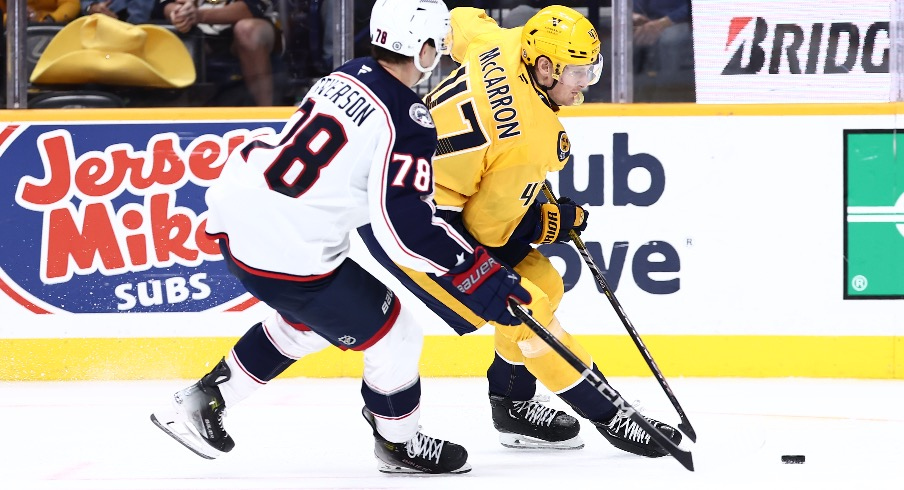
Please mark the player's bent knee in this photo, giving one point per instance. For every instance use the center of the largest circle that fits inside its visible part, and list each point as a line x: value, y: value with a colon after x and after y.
x: 507, y: 348
x: 392, y: 362
x: 539, y: 270
x: 404, y: 337
x: 532, y: 346
x: 289, y: 340
x: 547, y: 365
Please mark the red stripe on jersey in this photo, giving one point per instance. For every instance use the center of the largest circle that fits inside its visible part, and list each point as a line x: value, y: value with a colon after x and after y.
x: 301, y: 327
x: 248, y: 373
x: 383, y: 174
x: 399, y: 417
x: 452, y: 232
x: 262, y: 273
x: 393, y: 316
x: 273, y: 341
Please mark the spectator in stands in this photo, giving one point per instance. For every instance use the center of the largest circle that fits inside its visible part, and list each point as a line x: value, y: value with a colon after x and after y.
x: 653, y: 18
x: 48, y: 11
x: 131, y: 11
x: 244, y: 28
x: 522, y: 10
x: 664, y: 49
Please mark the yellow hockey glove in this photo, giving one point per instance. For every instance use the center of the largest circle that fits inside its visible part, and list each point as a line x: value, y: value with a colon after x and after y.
x: 557, y: 220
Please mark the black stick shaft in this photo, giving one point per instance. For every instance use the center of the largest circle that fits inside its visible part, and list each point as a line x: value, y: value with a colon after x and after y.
x: 685, y: 425
x: 684, y: 457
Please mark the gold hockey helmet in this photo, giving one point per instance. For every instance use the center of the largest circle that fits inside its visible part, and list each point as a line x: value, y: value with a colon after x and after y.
x: 565, y: 37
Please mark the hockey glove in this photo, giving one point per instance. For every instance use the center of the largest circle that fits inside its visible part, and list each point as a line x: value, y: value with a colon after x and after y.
x: 487, y: 286
x: 556, y: 220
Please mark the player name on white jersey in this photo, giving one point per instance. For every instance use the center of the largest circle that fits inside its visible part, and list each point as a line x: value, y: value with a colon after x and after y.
x: 357, y: 104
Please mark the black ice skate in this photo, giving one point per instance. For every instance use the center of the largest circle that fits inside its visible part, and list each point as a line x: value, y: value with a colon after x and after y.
x: 196, y: 419
x: 532, y: 425
x: 625, y: 434
x: 422, y: 454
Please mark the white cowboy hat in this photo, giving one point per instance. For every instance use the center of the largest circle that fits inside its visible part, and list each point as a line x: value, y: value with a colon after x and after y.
x: 100, y: 49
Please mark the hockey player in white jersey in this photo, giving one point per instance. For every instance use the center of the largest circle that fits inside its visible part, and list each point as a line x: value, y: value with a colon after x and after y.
x: 357, y: 151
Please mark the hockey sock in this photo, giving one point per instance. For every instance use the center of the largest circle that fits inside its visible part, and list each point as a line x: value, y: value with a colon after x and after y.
x: 258, y: 356
x: 510, y: 380
x: 587, y: 402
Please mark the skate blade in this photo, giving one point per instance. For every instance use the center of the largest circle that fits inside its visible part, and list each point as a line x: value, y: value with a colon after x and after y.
x: 394, y: 469
x: 178, y: 430
x: 519, y: 441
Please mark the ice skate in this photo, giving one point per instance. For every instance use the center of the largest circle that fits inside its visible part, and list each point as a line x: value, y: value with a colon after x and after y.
x: 627, y: 435
x: 196, y: 418
x: 422, y: 454
x: 532, y: 425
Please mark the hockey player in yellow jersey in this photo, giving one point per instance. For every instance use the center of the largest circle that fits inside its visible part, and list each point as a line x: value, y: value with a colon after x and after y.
x: 499, y: 137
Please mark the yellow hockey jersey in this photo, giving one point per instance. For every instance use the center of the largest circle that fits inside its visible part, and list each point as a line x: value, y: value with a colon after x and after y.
x: 498, y: 137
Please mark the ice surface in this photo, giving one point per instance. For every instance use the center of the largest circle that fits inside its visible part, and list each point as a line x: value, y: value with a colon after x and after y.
x: 303, y: 433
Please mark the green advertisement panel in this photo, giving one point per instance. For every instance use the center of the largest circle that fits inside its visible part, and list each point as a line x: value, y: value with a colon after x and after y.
x: 873, y: 214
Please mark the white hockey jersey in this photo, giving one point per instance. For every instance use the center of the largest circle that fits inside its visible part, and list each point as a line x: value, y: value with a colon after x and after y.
x: 357, y: 151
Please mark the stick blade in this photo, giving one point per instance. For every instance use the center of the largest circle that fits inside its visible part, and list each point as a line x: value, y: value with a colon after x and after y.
x: 683, y: 456
x: 688, y: 431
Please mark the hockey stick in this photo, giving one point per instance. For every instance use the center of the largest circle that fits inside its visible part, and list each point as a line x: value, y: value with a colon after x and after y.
x: 683, y: 456
x: 685, y: 425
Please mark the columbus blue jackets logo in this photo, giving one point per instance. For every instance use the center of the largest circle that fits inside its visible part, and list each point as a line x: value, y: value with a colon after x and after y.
x: 421, y: 115
x: 110, y: 218
x: 564, y: 146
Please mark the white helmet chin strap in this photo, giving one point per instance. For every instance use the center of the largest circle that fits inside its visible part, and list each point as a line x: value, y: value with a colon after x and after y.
x: 425, y: 72
x: 424, y: 76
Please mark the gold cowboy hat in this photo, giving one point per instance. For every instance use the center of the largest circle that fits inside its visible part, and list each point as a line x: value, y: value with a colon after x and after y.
x: 100, y: 49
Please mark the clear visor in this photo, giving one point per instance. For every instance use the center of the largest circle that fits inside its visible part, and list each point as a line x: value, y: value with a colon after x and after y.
x: 582, y: 74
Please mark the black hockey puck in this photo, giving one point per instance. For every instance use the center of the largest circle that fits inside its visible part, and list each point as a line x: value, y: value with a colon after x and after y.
x: 793, y: 458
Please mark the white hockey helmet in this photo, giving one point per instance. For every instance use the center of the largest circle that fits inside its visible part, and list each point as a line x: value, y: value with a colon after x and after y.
x: 403, y: 26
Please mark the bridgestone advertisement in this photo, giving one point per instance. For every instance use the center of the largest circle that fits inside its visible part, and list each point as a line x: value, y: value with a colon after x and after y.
x: 791, y: 51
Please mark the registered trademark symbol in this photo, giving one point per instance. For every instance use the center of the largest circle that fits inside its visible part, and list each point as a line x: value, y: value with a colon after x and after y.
x: 859, y: 283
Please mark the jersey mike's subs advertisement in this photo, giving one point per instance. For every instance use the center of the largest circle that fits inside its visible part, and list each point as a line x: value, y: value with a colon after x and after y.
x: 109, y: 217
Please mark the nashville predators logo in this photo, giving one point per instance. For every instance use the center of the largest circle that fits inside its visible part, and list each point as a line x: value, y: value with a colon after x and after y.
x: 564, y: 148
